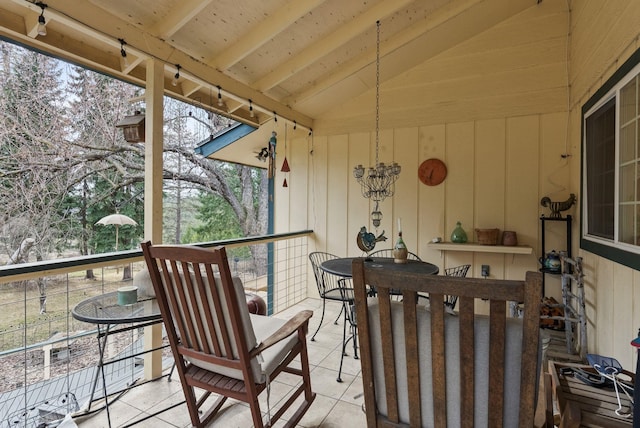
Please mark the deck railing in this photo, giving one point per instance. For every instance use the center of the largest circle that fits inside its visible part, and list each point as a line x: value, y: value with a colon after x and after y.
x: 48, y: 359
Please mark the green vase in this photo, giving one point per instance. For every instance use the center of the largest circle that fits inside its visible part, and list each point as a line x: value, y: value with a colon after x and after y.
x: 459, y: 236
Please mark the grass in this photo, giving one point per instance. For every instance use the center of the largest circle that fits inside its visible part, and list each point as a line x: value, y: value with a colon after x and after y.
x: 20, y: 305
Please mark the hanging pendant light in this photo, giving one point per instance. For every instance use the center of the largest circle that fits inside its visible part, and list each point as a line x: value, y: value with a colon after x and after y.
x: 42, y: 22
x: 379, y: 180
x: 176, y: 77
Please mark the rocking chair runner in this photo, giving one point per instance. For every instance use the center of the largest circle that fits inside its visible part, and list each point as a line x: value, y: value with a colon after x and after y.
x: 217, y: 345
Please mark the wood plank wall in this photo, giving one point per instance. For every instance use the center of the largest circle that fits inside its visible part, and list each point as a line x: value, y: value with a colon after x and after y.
x: 604, y: 34
x: 495, y: 109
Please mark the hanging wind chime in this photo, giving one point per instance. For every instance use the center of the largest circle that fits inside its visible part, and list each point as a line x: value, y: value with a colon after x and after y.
x: 285, y: 163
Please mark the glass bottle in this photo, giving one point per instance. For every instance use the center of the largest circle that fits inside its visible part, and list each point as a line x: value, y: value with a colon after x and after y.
x: 459, y: 236
x: 400, y: 251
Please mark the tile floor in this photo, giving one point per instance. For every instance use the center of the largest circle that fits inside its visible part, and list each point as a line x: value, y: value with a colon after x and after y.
x: 335, y: 402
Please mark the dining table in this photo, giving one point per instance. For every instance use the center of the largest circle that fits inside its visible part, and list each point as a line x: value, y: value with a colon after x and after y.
x: 342, y: 266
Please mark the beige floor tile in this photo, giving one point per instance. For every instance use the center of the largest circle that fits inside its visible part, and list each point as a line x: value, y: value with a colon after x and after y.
x: 323, y: 381
x: 120, y: 413
x: 345, y: 414
x: 150, y: 394
x: 318, y: 411
x: 353, y: 394
x: 335, y: 403
x: 350, y: 365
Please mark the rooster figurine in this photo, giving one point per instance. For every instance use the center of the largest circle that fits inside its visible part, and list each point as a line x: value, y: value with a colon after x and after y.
x: 557, y: 207
x: 367, y: 240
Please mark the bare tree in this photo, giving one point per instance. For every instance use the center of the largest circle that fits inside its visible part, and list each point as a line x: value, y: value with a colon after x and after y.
x: 31, y: 139
x: 61, y: 156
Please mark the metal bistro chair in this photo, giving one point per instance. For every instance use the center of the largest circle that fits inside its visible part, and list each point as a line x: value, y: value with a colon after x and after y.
x: 388, y: 252
x: 350, y: 323
x: 449, y: 300
x: 460, y: 272
x: 328, y: 285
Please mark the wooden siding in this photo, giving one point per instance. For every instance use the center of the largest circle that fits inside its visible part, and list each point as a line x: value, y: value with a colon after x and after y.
x: 604, y: 33
x: 495, y: 109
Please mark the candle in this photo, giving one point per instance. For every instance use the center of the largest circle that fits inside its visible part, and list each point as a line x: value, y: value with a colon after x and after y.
x: 399, y: 226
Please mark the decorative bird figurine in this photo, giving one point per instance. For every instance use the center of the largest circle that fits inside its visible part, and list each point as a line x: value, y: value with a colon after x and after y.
x: 367, y: 240
x: 557, y: 207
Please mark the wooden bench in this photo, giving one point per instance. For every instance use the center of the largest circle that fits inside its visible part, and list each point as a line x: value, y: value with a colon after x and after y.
x: 582, y: 405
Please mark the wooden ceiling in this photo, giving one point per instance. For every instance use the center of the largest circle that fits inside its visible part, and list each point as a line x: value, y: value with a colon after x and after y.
x: 295, y: 58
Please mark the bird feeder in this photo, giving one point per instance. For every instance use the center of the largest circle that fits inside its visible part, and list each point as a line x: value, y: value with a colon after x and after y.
x: 133, y: 127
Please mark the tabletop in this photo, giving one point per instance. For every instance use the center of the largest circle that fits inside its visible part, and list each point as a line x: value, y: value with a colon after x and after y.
x: 104, y: 309
x: 342, y: 266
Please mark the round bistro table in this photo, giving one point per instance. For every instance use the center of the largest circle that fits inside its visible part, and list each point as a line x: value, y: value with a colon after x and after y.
x: 342, y: 266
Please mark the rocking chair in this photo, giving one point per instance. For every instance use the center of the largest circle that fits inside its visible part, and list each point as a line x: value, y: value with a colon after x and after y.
x: 218, y: 346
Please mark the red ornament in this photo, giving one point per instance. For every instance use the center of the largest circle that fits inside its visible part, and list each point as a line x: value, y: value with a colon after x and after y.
x: 285, y: 166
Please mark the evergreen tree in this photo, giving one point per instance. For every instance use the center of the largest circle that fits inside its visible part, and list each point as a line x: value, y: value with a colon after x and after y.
x: 35, y: 124
x: 32, y: 188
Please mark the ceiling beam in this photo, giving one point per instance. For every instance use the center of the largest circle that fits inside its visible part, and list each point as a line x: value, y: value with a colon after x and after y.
x: 132, y: 62
x: 102, y: 28
x: 327, y: 45
x: 179, y: 17
x: 263, y: 32
x: 31, y: 24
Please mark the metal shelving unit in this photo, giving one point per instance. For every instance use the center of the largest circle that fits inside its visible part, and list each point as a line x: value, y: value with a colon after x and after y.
x: 544, y: 221
x: 573, y: 305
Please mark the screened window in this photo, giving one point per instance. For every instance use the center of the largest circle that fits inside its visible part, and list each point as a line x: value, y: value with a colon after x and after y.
x: 611, y: 168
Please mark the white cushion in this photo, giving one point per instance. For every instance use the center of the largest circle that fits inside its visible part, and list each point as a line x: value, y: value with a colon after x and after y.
x: 272, y: 357
x: 513, y: 354
x: 246, y: 326
x: 255, y: 328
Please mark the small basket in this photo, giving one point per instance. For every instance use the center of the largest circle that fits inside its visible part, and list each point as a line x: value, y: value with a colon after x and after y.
x: 488, y: 236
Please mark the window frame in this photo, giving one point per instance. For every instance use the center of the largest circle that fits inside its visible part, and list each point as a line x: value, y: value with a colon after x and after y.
x: 614, y: 250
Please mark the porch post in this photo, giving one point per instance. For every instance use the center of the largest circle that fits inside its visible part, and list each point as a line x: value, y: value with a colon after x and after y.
x: 153, y: 147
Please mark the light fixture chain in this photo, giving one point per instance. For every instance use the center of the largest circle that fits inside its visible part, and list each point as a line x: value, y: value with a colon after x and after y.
x: 377, y: 182
x: 377, y: 89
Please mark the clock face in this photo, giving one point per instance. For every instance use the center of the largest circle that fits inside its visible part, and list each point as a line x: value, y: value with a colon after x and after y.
x: 432, y: 172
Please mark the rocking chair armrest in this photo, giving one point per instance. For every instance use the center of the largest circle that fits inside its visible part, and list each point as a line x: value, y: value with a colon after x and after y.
x: 300, y: 320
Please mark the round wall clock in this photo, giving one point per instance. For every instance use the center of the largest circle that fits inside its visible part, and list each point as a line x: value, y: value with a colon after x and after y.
x: 432, y: 172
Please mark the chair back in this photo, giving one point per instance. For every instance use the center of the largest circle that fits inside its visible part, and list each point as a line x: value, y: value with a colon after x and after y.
x: 461, y: 272
x: 325, y: 282
x: 425, y: 367
x: 388, y: 252
x: 203, y: 308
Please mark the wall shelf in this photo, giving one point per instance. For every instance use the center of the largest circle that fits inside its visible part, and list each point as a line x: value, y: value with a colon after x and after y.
x: 479, y: 248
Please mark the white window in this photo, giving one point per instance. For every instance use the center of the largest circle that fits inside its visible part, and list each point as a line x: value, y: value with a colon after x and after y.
x: 611, y: 168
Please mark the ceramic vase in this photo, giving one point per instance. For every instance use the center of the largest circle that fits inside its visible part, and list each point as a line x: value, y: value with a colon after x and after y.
x: 400, y: 251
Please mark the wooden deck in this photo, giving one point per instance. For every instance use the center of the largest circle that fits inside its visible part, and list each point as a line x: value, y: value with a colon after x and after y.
x: 51, y: 399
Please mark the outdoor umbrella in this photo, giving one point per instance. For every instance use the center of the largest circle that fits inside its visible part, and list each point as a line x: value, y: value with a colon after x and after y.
x: 117, y: 220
